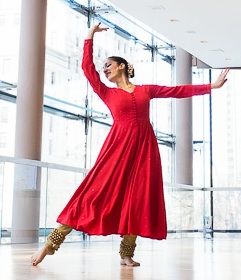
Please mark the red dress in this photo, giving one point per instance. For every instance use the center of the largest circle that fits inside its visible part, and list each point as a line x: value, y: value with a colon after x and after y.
x: 123, y: 192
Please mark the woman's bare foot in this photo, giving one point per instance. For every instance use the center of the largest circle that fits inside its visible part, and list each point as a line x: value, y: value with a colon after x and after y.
x: 40, y: 255
x: 128, y: 261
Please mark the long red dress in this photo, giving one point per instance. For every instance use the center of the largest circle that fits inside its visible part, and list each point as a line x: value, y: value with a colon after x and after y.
x: 123, y: 192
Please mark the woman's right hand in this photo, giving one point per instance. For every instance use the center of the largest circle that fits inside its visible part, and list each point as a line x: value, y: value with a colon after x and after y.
x: 94, y: 29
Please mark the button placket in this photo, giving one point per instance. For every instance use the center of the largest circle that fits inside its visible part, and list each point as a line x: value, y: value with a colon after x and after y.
x: 134, y: 109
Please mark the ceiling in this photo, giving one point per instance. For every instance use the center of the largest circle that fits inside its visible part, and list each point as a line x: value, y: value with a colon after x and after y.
x: 208, y: 29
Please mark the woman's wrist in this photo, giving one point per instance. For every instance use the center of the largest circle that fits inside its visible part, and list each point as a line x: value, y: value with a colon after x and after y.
x: 90, y: 34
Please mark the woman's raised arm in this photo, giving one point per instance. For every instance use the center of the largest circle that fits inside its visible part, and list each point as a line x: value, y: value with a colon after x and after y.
x: 88, y: 65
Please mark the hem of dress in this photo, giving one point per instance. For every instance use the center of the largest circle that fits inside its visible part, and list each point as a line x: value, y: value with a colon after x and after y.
x: 113, y: 232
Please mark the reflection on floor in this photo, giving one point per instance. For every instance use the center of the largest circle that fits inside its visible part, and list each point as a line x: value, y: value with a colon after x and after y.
x: 172, y: 259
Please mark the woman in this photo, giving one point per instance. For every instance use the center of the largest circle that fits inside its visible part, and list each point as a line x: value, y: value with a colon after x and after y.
x: 123, y: 192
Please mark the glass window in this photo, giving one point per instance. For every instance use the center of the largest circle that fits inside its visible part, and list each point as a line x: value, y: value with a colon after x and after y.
x: 64, y: 28
x: 97, y: 135
x: 227, y: 210
x: 9, y: 47
x: 201, y: 132
x: 6, y: 195
x: 226, y: 104
x: 162, y: 108
x: 7, y: 127
x: 63, y: 140
x: 184, y: 210
x: 57, y: 188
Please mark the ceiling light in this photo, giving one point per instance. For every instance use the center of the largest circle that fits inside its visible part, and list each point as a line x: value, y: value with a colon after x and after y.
x: 191, y: 32
x: 157, y: 7
x: 174, y: 20
x: 217, y: 50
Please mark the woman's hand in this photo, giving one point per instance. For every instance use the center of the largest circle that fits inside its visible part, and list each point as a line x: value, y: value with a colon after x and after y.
x: 94, y: 29
x: 221, y: 79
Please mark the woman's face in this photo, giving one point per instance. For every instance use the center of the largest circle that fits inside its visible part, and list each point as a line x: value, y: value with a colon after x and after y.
x: 112, y: 70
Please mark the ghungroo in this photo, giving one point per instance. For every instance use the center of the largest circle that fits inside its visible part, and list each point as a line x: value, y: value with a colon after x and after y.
x: 127, y: 250
x: 55, y: 238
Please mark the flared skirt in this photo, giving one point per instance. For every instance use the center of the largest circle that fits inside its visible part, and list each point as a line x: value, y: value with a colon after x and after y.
x: 123, y: 192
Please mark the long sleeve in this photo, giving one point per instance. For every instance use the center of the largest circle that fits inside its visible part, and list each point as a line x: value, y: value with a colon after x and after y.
x: 181, y: 91
x: 90, y: 72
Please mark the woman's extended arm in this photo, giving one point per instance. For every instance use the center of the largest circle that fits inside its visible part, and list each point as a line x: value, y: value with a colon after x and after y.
x: 184, y: 91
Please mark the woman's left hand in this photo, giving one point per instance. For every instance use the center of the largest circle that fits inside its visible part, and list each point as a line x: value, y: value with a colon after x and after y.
x: 221, y: 79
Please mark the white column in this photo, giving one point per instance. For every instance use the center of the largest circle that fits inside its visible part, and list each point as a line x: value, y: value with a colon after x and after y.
x: 184, y: 146
x: 26, y: 196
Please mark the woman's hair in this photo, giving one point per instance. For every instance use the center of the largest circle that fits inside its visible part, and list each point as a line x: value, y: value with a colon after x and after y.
x: 129, y: 70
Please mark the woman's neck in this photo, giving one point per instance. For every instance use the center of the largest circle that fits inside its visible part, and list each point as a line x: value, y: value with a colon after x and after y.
x: 124, y: 83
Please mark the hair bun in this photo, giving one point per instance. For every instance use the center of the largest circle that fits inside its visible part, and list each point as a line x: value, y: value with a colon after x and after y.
x: 130, y: 70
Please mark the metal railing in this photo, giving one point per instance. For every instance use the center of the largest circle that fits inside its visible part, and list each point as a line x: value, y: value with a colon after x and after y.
x: 188, y: 207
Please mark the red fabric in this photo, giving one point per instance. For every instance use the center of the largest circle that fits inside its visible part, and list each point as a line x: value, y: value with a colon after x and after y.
x: 123, y: 192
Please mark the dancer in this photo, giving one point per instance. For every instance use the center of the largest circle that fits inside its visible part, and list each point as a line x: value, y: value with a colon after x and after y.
x: 123, y: 192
